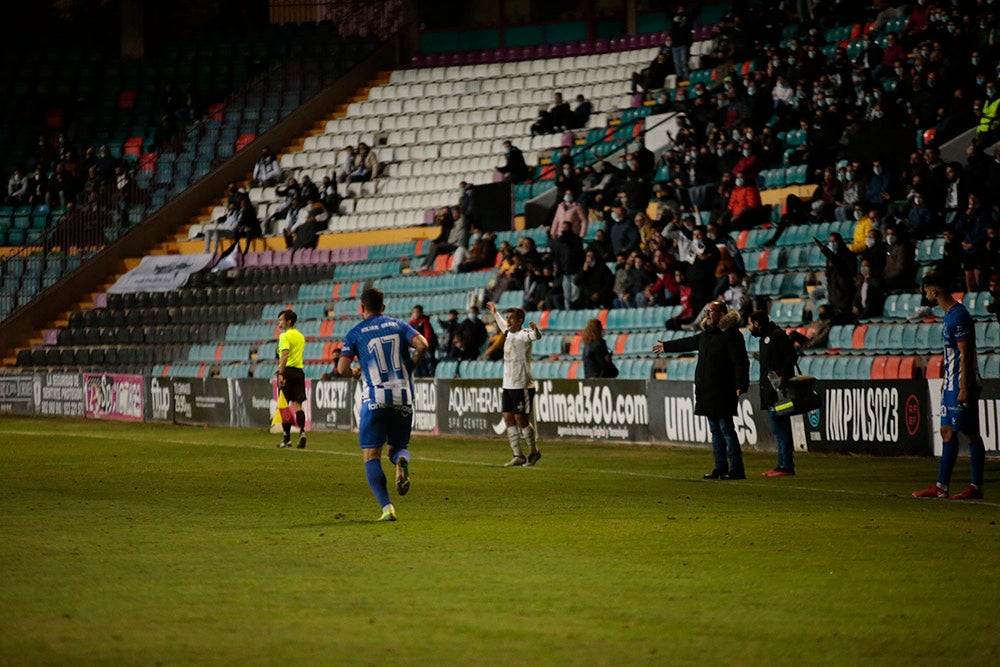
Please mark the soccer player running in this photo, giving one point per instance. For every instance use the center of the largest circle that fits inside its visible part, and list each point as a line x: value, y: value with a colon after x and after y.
x: 381, y: 345
x: 518, y: 389
x: 291, y: 376
x: 960, y: 392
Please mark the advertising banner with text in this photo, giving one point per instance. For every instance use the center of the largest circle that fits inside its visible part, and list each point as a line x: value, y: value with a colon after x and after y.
x: 17, y: 395
x: 879, y: 417
x: 332, y: 404
x: 672, y: 417
x: 58, y: 394
x: 109, y: 396
x: 989, y: 417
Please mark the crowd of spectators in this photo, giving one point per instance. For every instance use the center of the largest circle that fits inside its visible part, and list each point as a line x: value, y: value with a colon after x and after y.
x: 868, y: 125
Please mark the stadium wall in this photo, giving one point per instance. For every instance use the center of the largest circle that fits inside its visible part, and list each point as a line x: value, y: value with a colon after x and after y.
x: 880, y: 417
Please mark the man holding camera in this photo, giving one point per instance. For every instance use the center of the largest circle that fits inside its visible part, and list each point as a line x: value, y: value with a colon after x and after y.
x: 777, y: 365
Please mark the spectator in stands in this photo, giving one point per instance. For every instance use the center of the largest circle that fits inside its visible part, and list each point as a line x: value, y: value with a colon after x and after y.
x: 900, y: 264
x: 869, y: 300
x: 920, y: 219
x: 422, y: 324
x: 482, y: 254
x: 955, y: 193
x: 449, y: 327
x: 970, y: 228
x: 105, y: 163
x: 636, y: 185
x: 224, y: 227
x: 744, y: 209
x: 879, y: 190
x: 581, y: 112
x: 597, y: 362
x: 595, y: 283
x: 864, y: 225
x: 569, y: 211
x: 736, y: 295
x: 266, y: 171
x: 304, y: 233
x: 721, y: 377
x: 470, y: 336
x: 567, y: 258
x: 291, y: 192
x: 164, y: 132
x: 951, y: 260
x: 663, y: 290
x: 349, y: 165
x: 653, y: 76
x: 994, y: 290
x: 365, y: 164
x: 555, y: 118
x: 566, y: 179
x: 515, y: 170
x: 703, y: 259
x: 841, y: 267
x: 453, y: 234
x: 876, y: 252
x: 622, y: 231
x: 626, y: 278
x: 852, y: 194
x: 777, y: 357
x: 506, y: 274
x: 990, y: 264
x: 601, y: 245
x: 248, y: 225
x: 330, y: 195
x: 818, y: 333
x: 310, y: 191
x: 17, y: 188
x: 681, y: 37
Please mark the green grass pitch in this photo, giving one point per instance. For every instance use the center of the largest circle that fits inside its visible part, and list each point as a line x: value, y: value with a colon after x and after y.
x: 158, y: 545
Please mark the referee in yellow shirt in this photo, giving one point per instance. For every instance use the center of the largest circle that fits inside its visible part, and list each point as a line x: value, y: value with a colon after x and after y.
x: 291, y: 377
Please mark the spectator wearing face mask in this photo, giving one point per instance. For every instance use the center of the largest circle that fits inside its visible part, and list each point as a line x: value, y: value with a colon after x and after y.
x: 623, y: 232
x: 869, y: 300
x: 876, y: 251
x: 744, y: 210
x: 864, y: 225
x: 920, y: 219
x: 569, y: 210
x: 841, y: 268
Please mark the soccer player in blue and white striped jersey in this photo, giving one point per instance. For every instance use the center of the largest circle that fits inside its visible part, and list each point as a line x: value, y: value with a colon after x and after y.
x: 381, y: 345
x: 960, y: 392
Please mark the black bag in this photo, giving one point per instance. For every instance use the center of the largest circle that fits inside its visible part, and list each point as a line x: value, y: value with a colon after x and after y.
x: 798, y: 396
x: 610, y: 370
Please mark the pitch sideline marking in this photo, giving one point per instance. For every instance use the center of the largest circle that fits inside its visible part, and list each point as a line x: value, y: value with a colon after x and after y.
x: 603, y: 471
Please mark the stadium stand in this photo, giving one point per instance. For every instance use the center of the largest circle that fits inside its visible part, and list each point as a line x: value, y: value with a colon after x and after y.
x: 445, y: 120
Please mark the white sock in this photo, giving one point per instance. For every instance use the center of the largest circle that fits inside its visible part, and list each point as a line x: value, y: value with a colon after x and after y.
x: 528, y: 433
x: 514, y: 438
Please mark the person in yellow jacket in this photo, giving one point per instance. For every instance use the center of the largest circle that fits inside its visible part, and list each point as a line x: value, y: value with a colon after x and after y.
x: 989, y: 119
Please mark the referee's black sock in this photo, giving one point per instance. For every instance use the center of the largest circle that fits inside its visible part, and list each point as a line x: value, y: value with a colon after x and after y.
x: 288, y: 431
x: 300, y: 419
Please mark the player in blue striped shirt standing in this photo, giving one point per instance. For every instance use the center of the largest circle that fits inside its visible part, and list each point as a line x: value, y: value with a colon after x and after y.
x: 960, y: 392
x: 381, y: 345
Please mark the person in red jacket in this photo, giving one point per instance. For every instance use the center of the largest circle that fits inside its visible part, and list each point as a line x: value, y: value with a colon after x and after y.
x: 744, y: 209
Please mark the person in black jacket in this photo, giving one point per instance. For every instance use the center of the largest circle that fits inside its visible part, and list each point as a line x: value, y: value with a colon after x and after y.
x: 597, y: 361
x: 516, y: 169
x: 777, y: 355
x: 720, y: 378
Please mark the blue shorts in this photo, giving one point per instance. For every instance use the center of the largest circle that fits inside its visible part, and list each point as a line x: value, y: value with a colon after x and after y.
x: 961, y: 418
x: 385, y: 424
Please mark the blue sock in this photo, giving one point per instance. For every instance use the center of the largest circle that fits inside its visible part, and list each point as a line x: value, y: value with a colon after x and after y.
x: 376, y: 480
x: 399, y: 454
x: 977, y: 460
x: 949, y: 454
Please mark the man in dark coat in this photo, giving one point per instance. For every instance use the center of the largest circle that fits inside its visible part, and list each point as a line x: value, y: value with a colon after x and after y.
x: 841, y: 268
x: 777, y: 355
x: 515, y: 169
x: 720, y: 378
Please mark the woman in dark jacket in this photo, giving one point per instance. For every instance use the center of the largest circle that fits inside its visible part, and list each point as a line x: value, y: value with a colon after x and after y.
x: 597, y: 361
x: 721, y: 376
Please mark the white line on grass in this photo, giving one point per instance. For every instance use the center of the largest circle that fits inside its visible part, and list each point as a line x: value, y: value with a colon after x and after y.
x: 430, y: 459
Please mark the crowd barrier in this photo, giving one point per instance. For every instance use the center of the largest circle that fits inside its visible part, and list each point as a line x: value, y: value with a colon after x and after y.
x: 878, y: 417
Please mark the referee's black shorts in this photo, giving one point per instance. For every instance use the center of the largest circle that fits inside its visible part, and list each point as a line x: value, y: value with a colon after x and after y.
x: 295, y: 385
